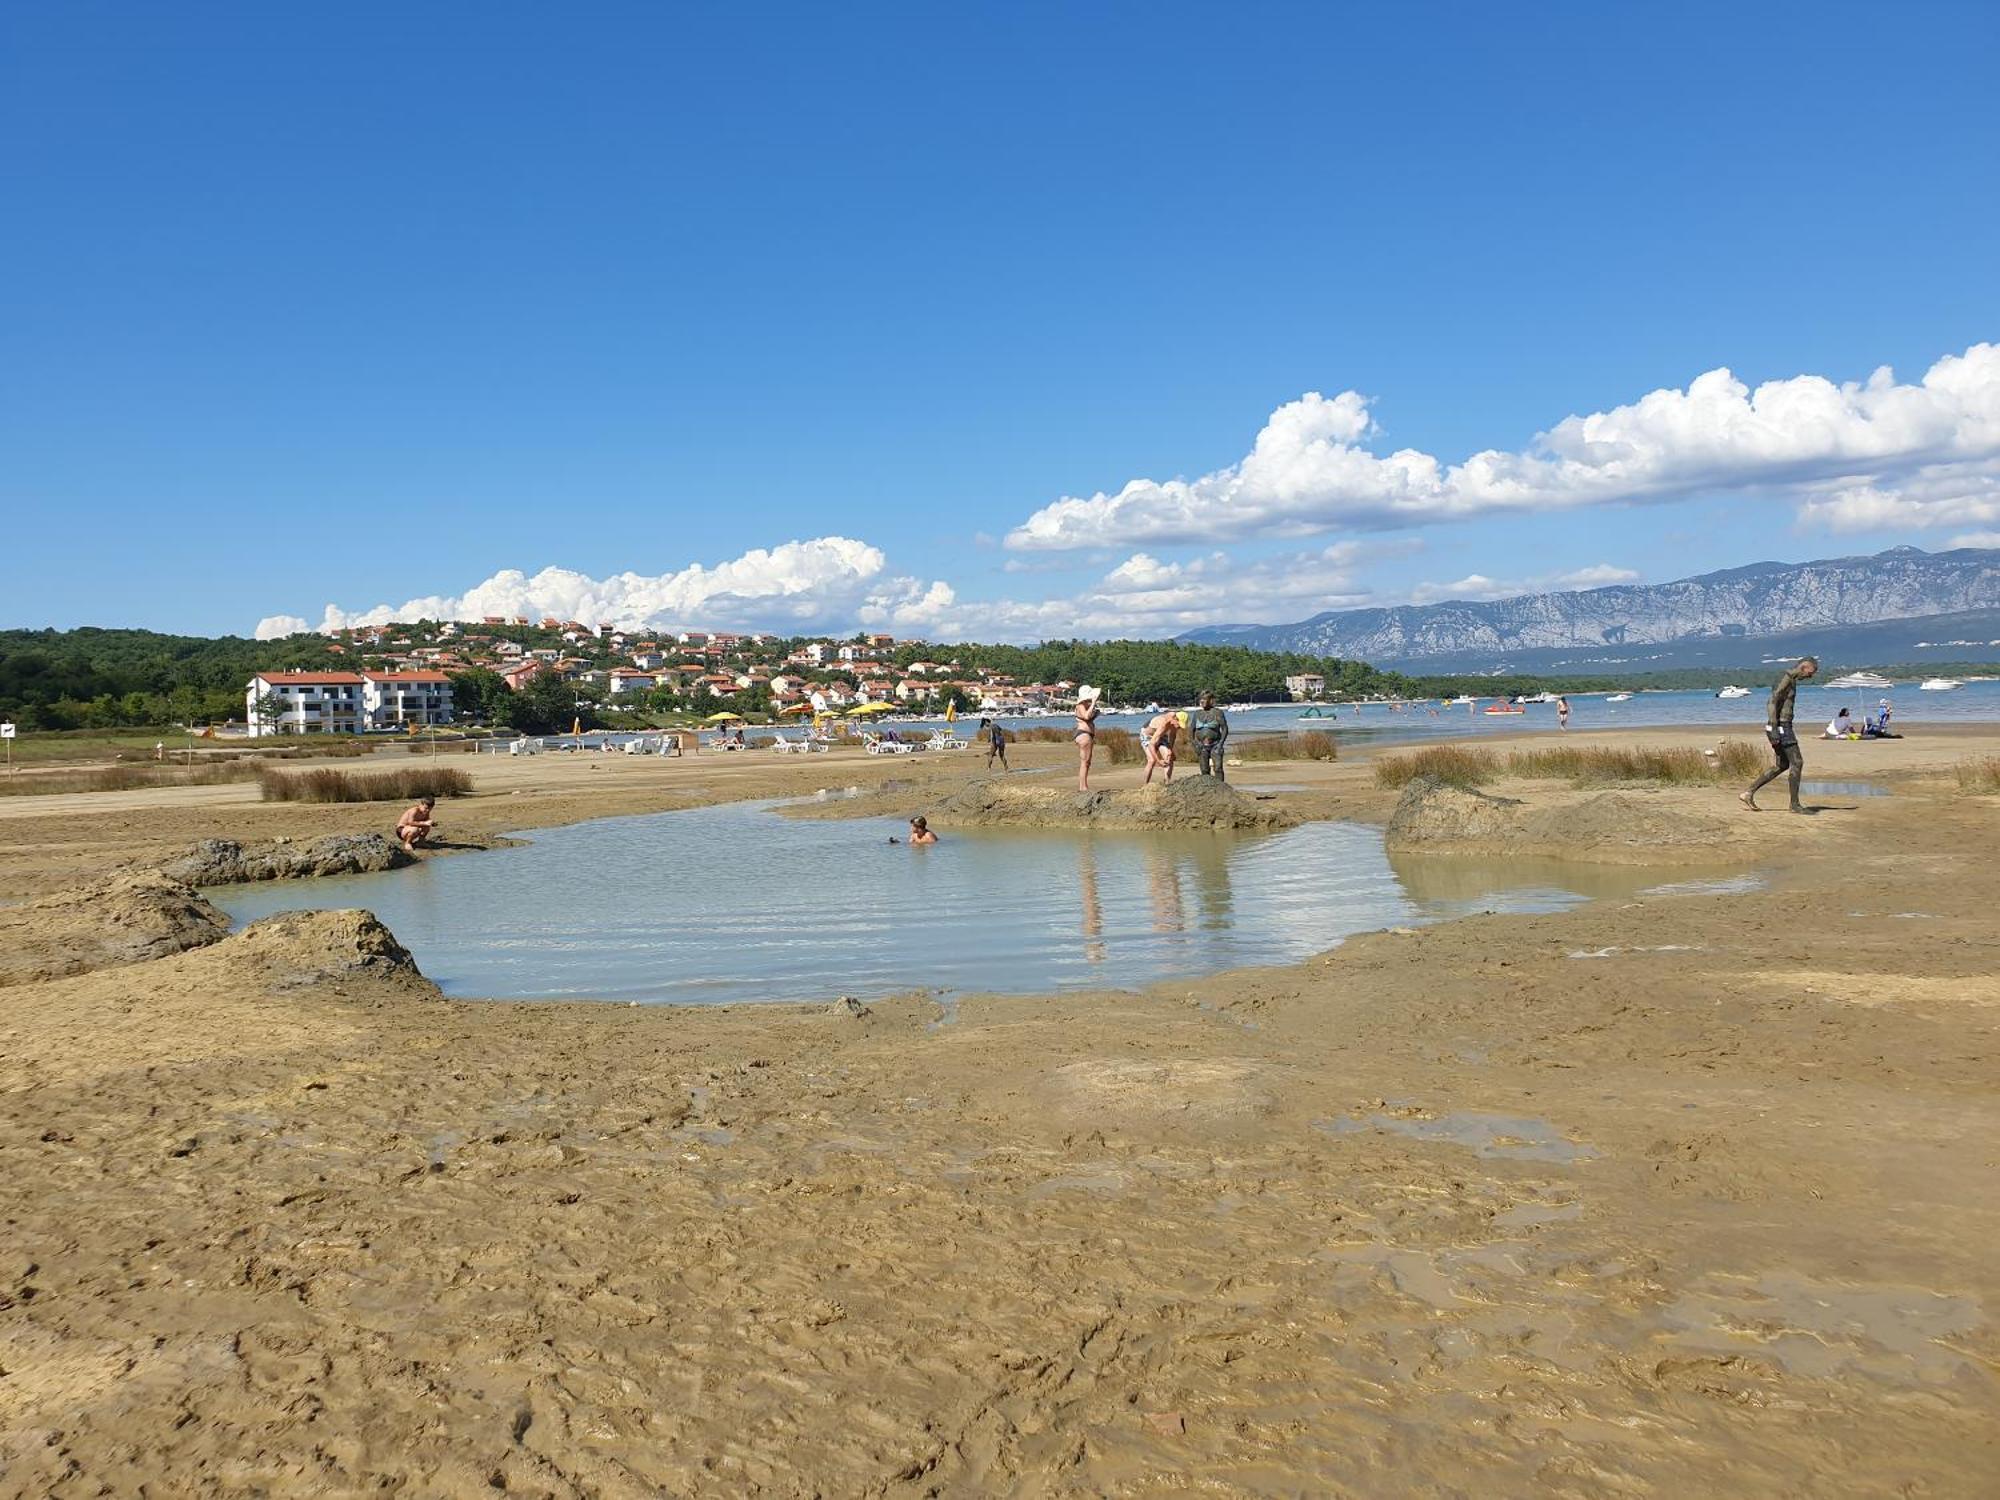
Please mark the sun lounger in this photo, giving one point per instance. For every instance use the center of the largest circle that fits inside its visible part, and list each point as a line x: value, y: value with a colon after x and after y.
x: 881, y: 744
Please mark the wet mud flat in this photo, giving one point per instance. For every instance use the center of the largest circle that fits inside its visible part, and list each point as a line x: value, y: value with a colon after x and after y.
x: 1711, y: 1211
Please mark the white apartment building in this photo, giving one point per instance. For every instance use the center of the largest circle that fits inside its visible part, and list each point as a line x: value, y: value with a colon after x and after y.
x: 1306, y: 685
x: 346, y: 702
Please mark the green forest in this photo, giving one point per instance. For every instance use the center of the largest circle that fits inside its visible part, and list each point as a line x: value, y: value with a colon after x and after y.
x: 101, y: 679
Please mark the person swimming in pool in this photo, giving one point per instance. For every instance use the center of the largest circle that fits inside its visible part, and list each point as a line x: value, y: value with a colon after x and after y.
x: 1086, y: 732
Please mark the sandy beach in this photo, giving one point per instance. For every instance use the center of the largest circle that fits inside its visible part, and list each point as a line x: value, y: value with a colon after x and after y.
x: 1689, y: 1192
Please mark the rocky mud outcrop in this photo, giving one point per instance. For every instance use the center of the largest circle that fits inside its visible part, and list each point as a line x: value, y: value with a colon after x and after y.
x: 1196, y: 802
x: 127, y: 919
x: 306, y: 948
x: 226, y: 862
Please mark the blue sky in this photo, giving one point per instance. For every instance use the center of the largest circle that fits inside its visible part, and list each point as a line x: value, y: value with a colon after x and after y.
x: 366, y: 305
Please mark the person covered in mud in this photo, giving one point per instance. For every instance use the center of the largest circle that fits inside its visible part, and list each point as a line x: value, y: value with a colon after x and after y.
x: 1778, y: 731
x: 1211, y: 732
x: 416, y: 825
x: 1157, y: 740
x: 996, y: 743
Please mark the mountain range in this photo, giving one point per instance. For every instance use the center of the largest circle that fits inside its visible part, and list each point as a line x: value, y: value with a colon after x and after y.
x: 1903, y: 605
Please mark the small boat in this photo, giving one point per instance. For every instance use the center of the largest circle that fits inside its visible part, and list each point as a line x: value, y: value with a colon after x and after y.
x: 1733, y: 691
x: 1317, y: 712
x: 1504, y: 708
x: 1538, y: 698
x: 1463, y: 700
x: 1152, y: 708
x: 1939, y: 684
x: 1619, y: 698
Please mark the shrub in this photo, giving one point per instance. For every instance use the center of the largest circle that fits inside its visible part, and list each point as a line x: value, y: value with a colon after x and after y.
x: 1117, y: 747
x: 1452, y: 764
x: 1300, y: 744
x: 1731, y: 760
x: 1980, y: 774
x: 124, y: 778
x: 349, y: 786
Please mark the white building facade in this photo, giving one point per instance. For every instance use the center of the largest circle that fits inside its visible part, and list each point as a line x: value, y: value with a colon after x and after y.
x: 345, y: 702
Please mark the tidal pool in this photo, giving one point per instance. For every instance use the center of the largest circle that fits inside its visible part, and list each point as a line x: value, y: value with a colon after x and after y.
x: 733, y: 903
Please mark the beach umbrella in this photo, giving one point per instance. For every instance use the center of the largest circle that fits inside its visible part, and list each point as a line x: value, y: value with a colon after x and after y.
x: 724, y: 717
x: 951, y: 712
x: 797, y: 708
x: 871, y: 708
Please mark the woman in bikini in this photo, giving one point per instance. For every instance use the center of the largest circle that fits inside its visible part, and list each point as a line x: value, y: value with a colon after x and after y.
x: 1086, y: 733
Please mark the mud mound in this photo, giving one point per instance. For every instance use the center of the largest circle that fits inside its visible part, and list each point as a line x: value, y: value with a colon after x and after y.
x: 125, y: 920
x: 313, y: 947
x: 1196, y: 802
x: 1608, y: 828
x: 1626, y: 827
x: 1433, y: 813
x: 226, y: 862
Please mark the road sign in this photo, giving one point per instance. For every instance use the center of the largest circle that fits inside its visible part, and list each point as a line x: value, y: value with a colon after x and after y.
x: 6, y: 731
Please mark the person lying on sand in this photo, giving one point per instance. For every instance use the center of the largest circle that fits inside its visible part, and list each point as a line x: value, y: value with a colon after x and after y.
x: 416, y: 824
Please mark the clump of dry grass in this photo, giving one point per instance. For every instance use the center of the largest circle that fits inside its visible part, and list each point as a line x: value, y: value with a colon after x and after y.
x: 1452, y: 764
x: 1299, y: 744
x: 1731, y: 760
x: 124, y: 778
x: 1118, y: 747
x: 1979, y: 775
x: 348, y: 786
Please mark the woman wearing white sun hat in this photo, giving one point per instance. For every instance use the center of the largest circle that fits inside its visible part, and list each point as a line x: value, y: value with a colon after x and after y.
x: 1086, y: 732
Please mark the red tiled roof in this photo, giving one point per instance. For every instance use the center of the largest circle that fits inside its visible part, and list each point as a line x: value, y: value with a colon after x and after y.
x: 406, y: 676
x: 312, y: 679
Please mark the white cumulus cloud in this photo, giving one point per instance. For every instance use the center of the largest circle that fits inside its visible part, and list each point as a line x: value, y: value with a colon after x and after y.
x: 828, y: 581
x: 1859, y: 453
x: 1975, y: 539
x: 277, y: 627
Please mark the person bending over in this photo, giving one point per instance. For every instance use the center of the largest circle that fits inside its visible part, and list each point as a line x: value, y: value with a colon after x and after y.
x: 416, y: 824
x: 1157, y: 739
x: 1783, y: 740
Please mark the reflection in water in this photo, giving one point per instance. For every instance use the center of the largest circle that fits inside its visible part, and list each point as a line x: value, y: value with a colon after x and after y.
x: 1163, y: 881
x: 639, y: 909
x: 1093, y: 904
x: 1456, y: 881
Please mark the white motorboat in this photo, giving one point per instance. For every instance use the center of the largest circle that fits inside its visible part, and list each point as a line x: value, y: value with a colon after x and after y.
x: 1618, y: 698
x: 1733, y: 691
x: 1461, y: 701
x: 1537, y: 698
x: 1939, y: 684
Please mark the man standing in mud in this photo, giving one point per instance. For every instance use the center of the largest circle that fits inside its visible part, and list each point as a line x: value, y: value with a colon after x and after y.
x: 1211, y: 730
x: 1778, y: 730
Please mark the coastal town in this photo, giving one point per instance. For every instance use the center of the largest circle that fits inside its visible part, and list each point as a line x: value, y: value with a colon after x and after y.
x: 406, y: 675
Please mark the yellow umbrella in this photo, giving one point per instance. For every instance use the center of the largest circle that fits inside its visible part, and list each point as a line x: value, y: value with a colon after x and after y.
x: 797, y: 708
x: 951, y: 712
x: 722, y: 718
x: 871, y: 708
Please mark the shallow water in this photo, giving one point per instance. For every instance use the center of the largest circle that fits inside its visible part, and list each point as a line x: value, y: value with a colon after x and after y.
x: 731, y: 903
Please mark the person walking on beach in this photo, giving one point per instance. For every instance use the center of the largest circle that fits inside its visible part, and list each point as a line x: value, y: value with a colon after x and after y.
x: 996, y: 743
x: 1778, y: 731
x: 1157, y: 740
x: 1086, y: 732
x: 1562, y: 712
x: 1211, y: 732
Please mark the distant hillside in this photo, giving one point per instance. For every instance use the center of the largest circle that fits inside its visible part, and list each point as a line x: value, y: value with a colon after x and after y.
x: 1901, y: 605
